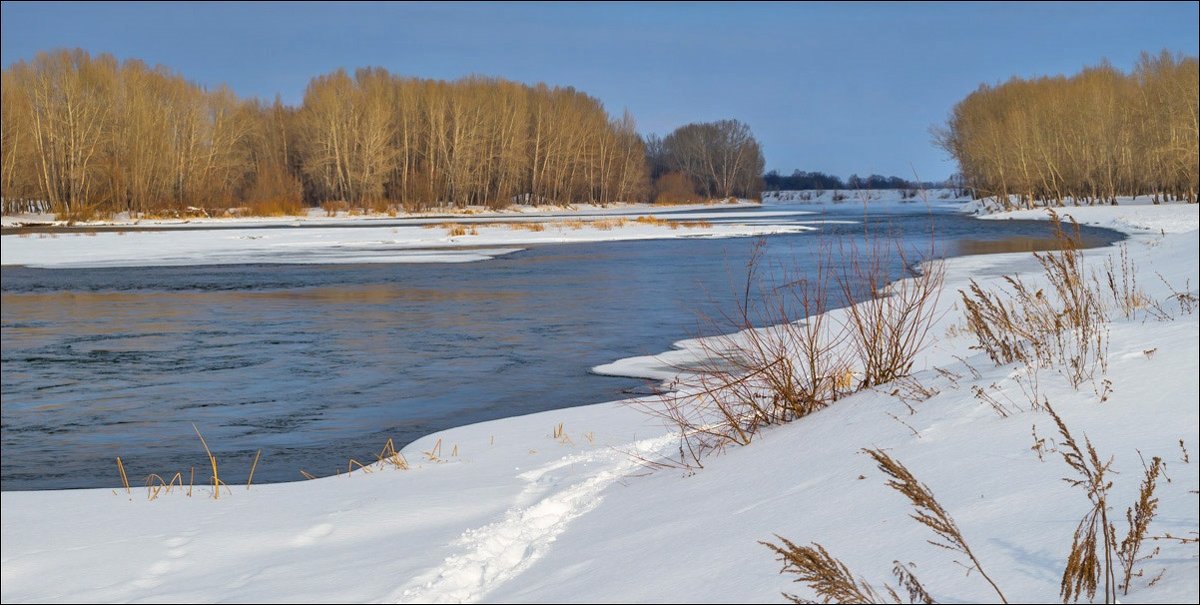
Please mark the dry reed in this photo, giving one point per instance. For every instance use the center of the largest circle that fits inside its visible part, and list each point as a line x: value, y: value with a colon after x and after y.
x: 928, y: 511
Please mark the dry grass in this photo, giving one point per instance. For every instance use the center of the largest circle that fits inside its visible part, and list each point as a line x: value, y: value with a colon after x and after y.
x: 454, y: 229
x: 1061, y: 326
x: 650, y: 219
x: 802, y: 361
x: 1094, y: 536
x: 124, y: 478
x: 332, y: 208
x: 928, y: 511
x: 389, y: 455
x: 253, y: 466
x: 825, y: 574
x: 757, y: 377
x: 525, y: 226
x: 1139, y: 517
x: 891, y: 324
x: 212, y: 460
x: 1121, y: 279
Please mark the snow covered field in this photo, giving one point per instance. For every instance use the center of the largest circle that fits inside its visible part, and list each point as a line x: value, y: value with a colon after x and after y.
x: 341, y: 242
x: 557, y: 507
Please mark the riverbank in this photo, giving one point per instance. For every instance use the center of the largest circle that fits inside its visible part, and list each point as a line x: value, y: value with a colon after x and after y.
x: 557, y: 506
x: 334, y: 217
x: 370, y: 240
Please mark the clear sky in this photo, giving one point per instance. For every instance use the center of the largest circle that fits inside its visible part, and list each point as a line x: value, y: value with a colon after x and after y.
x: 839, y: 88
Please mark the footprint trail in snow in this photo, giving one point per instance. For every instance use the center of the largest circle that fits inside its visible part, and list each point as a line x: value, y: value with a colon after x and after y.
x: 493, y: 554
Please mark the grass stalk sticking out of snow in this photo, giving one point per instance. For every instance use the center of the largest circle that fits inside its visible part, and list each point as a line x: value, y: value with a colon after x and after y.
x: 833, y: 582
x: 891, y: 324
x: 212, y: 460
x: 253, y: 466
x: 803, y: 360
x: 124, y: 478
x: 1062, y: 325
x: 1094, y: 544
x: 1139, y: 517
x: 928, y: 511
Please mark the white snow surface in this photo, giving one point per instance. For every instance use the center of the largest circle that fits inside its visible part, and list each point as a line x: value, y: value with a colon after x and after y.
x: 505, y: 511
x: 367, y: 241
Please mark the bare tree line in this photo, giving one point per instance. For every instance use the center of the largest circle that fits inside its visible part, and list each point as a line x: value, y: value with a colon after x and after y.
x: 89, y: 135
x: 1090, y: 137
x: 706, y: 160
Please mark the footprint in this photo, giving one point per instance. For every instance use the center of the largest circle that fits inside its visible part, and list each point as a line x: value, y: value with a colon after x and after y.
x: 312, y: 534
x: 178, y: 542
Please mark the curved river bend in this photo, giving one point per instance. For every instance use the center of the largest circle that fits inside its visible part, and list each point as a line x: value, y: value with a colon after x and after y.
x: 316, y: 364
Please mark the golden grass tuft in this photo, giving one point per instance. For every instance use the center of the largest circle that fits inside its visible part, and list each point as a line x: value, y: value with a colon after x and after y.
x: 833, y: 581
x: 457, y: 229
x: 389, y: 455
x: 435, y: 453
x: 650, y: 219
x: 928, y: 511
x: 526, y: 226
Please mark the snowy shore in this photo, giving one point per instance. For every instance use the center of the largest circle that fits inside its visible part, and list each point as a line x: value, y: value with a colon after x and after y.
x: 556, y: 506
x: 369, y: 240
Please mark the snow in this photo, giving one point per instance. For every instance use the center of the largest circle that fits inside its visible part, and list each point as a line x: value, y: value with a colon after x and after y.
x: 563, y: 506
x: 420, y: 241
x: 1137, y: 215
x: 318, y: 216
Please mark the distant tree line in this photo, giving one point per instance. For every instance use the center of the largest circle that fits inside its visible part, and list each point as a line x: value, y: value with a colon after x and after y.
x: 800, y: 180
x: 91, y: 135
x: 1090, y: 137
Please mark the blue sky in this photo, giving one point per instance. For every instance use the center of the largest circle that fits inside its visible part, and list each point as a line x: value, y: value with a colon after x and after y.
x: 839, y: 88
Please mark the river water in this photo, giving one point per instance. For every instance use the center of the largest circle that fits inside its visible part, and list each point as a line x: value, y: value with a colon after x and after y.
x: 317, y: 364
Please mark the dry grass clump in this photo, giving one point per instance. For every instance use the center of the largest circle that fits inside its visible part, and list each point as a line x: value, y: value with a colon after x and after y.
x: 526, y: 226
x: 891, y: 324
x: 928, y: 511
x: 1094, y: 544
x: 608, y: 224
x: 1121, y: 279
x: 1063, y: 325
x: 761, y: 376
x: 832, y: 580
x: 650, y: 219
x: 803, y: 360
x: 454, y: 229
x: 333, y: 207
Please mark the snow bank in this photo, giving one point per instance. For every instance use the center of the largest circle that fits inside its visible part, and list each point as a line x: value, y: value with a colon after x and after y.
x: 559, y: 507
x: 422, y: 242
x: 1140, y: 215
x: 318, y: 216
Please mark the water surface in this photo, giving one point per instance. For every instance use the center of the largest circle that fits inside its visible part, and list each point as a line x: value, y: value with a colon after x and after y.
x: 316, y: 364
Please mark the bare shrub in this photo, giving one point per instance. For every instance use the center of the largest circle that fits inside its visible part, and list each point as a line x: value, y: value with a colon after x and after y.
x: 761, y: 376
x: 675, y: 188
x: 1121, y: 279
x: 802, y: 361
x: 891, y: 324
